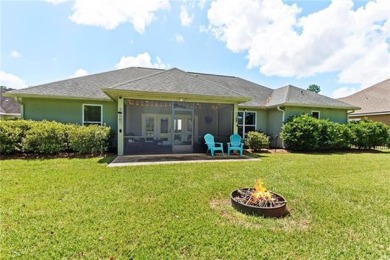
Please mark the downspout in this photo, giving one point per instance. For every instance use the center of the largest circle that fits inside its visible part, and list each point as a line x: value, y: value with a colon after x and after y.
x: 283, y: 117
x: 348, y: 113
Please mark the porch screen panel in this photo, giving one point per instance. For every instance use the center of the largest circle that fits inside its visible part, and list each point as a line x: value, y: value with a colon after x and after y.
x: 216, y: 119
x: 147, y: 127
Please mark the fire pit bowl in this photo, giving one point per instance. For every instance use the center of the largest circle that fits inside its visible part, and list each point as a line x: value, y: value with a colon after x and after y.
x: 276, y: 211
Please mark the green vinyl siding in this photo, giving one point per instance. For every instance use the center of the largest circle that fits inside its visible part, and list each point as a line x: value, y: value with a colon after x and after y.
x: 66, y: 110
x: 274, y: 126
x: 334, y: 115
x: 261, y: 120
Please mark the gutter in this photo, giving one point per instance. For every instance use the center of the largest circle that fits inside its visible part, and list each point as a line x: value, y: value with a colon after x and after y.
x: 283, y: 118
x: 314, y: 105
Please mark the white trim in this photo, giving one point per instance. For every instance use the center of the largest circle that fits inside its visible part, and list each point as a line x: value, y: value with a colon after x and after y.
x: 370, y: 114
x: 315, y: 111
x: 92, y: 122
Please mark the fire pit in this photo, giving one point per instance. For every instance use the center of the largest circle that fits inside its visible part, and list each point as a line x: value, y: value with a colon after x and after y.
x: 258, y: 201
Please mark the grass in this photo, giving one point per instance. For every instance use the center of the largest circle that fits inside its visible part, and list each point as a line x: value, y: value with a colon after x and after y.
x: 78, y: 208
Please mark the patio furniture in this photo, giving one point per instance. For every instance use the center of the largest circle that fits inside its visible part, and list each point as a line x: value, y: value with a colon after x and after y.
x: 235, y: 144
x: 211, y: 145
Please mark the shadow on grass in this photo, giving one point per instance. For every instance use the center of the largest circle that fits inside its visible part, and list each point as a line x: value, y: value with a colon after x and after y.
x: 107, y: 159
x: 343, y: 152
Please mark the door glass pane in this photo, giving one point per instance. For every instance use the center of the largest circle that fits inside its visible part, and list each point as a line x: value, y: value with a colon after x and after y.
x: 182, y: 125
x: 164, y: 124
x: 149, y: 128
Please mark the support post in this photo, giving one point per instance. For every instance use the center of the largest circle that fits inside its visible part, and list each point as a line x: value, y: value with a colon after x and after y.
x: 120, y: 125
x: 235, y: 118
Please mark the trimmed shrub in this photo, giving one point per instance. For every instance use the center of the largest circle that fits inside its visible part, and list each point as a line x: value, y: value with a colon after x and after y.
x: 45, y: 137
x: 302, y: 133
x: 256, y: 140
x: 333, y: 136
x: 12, y: 133
x: 305, y: 133
x: 342, y: 136
x: 367, y: 134
x: 388, y: 138
x: 89, y: 139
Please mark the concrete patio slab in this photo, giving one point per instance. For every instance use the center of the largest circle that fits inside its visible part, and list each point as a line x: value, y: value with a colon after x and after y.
x: 135, y: 160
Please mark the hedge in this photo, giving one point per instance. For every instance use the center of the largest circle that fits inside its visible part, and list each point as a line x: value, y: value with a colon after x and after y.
x: 44, y: 137
x: 256, y: 140
x: 305, y: 133
x: 367, y: 134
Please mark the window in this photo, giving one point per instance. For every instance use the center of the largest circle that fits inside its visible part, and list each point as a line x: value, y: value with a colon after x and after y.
x: 315, y: 114
x: 92, y: 114
x: 246, y: 122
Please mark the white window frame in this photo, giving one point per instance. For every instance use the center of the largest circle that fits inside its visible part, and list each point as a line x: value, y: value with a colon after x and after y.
x: 319, y: 114
x: 243, y: 121
x: 93, y: 122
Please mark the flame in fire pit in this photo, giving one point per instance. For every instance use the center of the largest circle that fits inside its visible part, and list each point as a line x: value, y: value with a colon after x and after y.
x: 260, y: 192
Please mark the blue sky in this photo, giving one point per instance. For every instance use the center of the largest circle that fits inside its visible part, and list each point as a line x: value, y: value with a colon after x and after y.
x: 341, y: 45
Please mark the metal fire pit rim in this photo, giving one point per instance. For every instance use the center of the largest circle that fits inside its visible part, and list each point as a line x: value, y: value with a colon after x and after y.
x: 256, y: 207
x: 276, y: 212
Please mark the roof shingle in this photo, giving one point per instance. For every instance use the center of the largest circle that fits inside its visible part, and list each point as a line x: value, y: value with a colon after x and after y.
x: 291, y: 95
x: 372, y: 100
x: 178, y: 82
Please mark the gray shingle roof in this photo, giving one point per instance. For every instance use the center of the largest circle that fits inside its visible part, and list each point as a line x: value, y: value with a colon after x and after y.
x: 293, y: 96
x: 372, y: 100
x: 8, y: 105
x: 88, y: 87
x: 258, y: 93
x: 177, y: 82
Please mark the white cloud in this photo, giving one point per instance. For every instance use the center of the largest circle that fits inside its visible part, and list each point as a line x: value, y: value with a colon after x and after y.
x: 56, y: 2
x: 185, y: 18
x: 343, y: 92
x: 79, y: 73
x: 16, y: 54
x: 334, y: 39
x: 11, y: 81
x: 202, y: 3
x: 141, y: 60
x: 110, y: 14
x: 179, y: 38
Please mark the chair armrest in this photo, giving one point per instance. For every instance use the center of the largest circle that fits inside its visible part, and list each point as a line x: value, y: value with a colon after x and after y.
x: 220, y: 144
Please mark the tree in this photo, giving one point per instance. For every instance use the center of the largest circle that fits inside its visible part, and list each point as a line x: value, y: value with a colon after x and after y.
x: 314, y: 88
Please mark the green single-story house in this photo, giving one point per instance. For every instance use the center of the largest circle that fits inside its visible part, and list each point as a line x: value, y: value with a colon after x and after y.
x: 169, y: 111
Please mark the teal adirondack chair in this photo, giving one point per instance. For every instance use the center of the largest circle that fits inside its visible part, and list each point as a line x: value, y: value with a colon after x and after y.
x: 211, y: 145
x: 235, y: 144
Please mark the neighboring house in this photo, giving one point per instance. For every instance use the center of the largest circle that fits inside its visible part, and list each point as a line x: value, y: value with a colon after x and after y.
x: 9, y: 108
x: 164, y: 111
x: 374, y: 102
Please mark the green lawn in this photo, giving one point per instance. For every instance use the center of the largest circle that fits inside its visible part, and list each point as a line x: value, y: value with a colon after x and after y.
x: 79, y: 208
